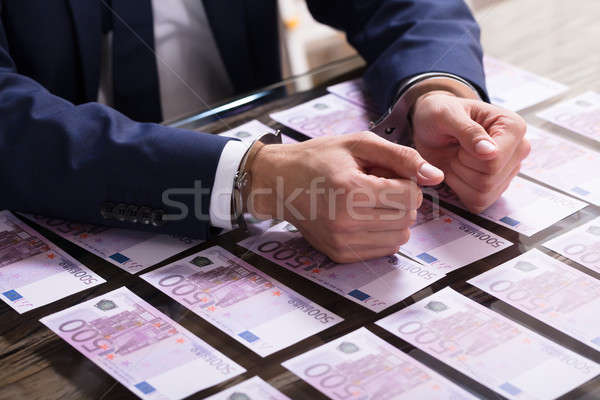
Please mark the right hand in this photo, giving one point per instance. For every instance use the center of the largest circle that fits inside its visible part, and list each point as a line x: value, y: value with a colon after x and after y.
x: 353, y: 197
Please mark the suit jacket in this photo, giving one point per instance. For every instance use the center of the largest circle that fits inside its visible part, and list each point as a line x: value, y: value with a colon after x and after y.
x: 63, y: 155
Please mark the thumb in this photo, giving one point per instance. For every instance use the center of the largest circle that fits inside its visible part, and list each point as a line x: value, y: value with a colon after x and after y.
x: 472, y: 137
x: 404, y: 162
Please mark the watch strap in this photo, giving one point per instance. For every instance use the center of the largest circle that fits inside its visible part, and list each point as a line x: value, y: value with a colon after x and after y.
x: 243, y: 177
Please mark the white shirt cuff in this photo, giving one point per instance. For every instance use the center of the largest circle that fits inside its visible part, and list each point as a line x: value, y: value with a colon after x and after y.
x: 406, y: 84
x: 220, y: 197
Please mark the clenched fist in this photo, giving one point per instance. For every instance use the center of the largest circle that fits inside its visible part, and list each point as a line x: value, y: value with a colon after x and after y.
x: 353, y: 197
x: 479, y: 146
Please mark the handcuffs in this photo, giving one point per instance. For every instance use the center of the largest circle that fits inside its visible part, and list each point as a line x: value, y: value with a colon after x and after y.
x: 393, y: 125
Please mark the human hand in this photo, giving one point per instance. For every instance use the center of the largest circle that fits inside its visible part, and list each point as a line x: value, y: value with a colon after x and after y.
x: 479, y: 146
x: 353, y: 197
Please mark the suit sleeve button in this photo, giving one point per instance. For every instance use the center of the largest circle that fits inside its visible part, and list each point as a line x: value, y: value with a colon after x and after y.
x: 144, y: 215
x: 120, y: 212
x: 106, y: 210
x: 158, y: 218
x: 131, y: 214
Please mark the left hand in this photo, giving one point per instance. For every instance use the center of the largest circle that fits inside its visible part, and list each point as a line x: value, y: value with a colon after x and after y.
x: 479, y: 146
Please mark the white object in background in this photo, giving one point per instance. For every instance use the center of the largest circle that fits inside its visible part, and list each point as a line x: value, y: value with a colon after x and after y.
x: 251, y: 307
x: 140, y: 347
x: 33, y: 271
x: 563, y: 164
x: 524, y: 207
x: 360, y: 365
x: 549, y: 290
x: 581, y: 244
x: 251, y: 130
x: 446, y: 242
x: 253, y: 388
x: 515, y: 88
x: 374, y: 284
x: 325, y: 116
x: 355, y: 92
x: 307, y: 43
x: 130, y: 250
x: 489, y: 348
x: 580, y: 114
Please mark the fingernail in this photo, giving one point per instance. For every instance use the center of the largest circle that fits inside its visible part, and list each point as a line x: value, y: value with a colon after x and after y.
x: 484, y: 147
x: 430, y: 172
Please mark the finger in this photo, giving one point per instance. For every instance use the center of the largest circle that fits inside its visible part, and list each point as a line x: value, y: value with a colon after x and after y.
x: 381, y: 172
x: 356, y: 255
x: 481, y: 181
x: 496, y: 165
x: 506, y: 125
x: 400, y: 194
x: 385, y: 240
x: 475, y: 200
x: 340, y: 252
x: 405, y: 162
x: 376, y: 220
x: 472, y: 137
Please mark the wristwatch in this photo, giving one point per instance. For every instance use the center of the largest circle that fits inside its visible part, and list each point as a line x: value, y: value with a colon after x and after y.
x: 394, y: 125
x: 243, y: 177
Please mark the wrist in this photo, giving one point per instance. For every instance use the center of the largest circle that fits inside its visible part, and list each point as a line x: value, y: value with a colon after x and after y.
x: 424, y: 96
x: 398, y: 120
x: 260, y: 197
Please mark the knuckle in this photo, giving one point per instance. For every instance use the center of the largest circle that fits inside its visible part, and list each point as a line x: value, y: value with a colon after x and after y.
x: 479, y: 204
x: 337, y: 226
x: 472, y: 130
x: 404, y: 236
x: 341, y: 257
x: 337, y: 243
x: 439, y: 108
x: 493, y: 167
x: 430, y: 104
x: 477, y: 209
x: 340, y: 181
x: 525, y: 148
x: 513, y: 123
x: 520, y: 125
x: 365, y: 136
x: 400, y: 219
x: 335, y: 257
x: 347, y: 224
x: 418, y: 198
x: 408, y: 153
x: 512, y: 176
x: 353, y: 139
x: 412, y: 217
x: 486, y: 184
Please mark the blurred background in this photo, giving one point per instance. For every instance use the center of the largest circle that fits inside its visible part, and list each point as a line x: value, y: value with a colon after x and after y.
x: 308, y: 44
x: 553, y: 38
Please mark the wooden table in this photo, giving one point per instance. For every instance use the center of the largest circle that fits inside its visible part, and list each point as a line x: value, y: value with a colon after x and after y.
x: 554, y: 38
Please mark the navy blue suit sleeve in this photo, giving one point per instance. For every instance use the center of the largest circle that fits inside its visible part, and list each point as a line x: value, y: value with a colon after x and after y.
x: 403, y: 38
x: 62, y: 160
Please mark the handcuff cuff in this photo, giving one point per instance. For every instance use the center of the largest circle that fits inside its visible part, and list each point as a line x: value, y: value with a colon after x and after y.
x: 395, y: 123
x: 243, y: 177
